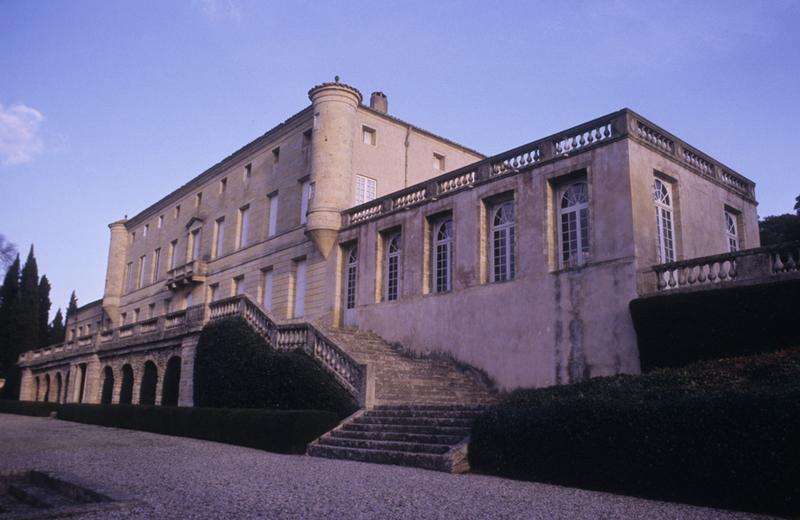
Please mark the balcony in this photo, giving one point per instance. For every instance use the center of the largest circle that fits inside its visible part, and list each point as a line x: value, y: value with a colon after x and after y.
x: 188, y: 273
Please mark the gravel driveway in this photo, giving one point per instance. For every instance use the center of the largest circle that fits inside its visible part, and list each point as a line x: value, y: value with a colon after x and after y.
x: 172, y: 477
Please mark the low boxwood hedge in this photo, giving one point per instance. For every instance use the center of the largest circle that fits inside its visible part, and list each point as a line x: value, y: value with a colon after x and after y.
x: 674, y: 329
x: 720, y: 434
x: 281, y: 431
x: 236, y: 368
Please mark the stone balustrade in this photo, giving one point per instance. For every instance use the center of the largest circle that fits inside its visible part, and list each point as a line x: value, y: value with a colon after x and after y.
x: 190, y: 272
x: 351, y: 374
x: 601, y: 131
x: 750, y: 265
x: 168, y: 325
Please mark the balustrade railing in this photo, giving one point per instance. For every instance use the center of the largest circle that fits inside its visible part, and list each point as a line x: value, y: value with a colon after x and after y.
x: 755, y: 265
x: 583, y: 138
x: 351, y: 374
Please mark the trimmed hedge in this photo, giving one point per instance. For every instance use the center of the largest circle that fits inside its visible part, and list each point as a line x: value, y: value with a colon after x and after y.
x: 721, y: 434
x: 278, y: 431
x: 236, y: 368
x: 680, y: 328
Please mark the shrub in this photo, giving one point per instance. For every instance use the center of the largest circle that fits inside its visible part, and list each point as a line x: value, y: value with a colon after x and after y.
x: 679, y: 328
x: 720, y: 434
x: 279, y: 431
x: 236, y: 368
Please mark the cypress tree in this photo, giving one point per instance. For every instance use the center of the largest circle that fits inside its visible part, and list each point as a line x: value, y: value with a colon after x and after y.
x: 72, y: 308
x: 29, y: 305
x: 44, y: 311
x: 9, y: 308
x: 57, y: 330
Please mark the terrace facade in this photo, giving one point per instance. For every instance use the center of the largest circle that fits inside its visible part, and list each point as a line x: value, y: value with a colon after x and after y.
x: 346, y: 232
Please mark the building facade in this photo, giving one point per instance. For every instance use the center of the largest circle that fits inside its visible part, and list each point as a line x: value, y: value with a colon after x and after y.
x: 343, y: 217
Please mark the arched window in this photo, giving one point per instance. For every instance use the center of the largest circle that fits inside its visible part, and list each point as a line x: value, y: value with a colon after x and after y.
x: 126, y: 388
x: 66, y: 387
x: 147, y: 391
x: 662, y: 194
x: 172, y: 380
x: 36, y: 395
x: 108, y: 386
x: 502, y: 257
x: 46, y: 388
x: 391, y: 289
x: 573, y: 225
x: 350, y: 277
x: 443, y: 255
x: 731, y: 231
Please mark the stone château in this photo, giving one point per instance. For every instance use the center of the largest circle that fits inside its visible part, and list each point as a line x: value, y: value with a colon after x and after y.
x: 346, y: 232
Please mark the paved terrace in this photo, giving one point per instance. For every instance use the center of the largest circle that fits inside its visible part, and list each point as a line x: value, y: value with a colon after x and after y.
x: 172, y: 477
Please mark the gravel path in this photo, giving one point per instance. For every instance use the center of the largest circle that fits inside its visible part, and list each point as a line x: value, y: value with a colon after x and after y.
x: 172, y: 477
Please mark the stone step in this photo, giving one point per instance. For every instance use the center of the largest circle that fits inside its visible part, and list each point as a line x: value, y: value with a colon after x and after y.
x: 372, y: 444
x: 420, y: 460
x: 389, y: 421
x: 400, y: 428
x: 428, y: 438
x: 411, y: 412
x: 427, y: 407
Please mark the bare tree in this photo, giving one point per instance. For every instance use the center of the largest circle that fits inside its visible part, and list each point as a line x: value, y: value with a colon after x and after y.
x: 8, y: 252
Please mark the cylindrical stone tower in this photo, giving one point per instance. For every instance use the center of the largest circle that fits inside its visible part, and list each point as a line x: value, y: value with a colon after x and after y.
x: 115, y: 271
x: 334, y: 106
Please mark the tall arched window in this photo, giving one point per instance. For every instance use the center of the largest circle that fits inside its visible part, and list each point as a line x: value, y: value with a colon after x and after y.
x: 662, y: 194
x: 46, y: 388
x: 350, y: 274
x: 57, y: 394
x: 392, y: 279
x: 108, y: 386
x: 443, y: 255
x: 36, y: 395
x: 126, y: 388
x: 573, y: 225
x: 172, y: 379
x: 502, y: 258
x: 731, y: 231
x: 147, y: 389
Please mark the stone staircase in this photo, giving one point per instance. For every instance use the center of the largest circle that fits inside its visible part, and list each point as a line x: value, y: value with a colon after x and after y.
x: 423, y: 413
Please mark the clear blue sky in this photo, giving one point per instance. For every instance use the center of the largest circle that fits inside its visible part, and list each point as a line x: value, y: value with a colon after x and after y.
x: 106, y: 106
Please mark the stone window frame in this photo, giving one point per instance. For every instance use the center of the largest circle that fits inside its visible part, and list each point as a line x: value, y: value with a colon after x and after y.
x: 504, y: 232
x: 351, y: 275
x: 365, y: 189
x: 243, y: 227
x: 392, y: 264
x: 305, y: 198
x: 219, y: 238
x: 266, y: 288
x: 443, y: 237
x: 272, y: 222
x: 369, y: 135
x: 582, y: 213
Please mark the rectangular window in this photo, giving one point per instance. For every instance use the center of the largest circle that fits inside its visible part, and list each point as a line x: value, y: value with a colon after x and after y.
x: 142, y: 271
x: 391, y: 277
x: 442, y: 255
x: 501, y: 258
x: 160, y: 221
x: 238, y: 285
x: 129, y: 277
x: 177, y: 211
x: 198, y: 199
x: 266, y: 295
x: 276, y: 157
x: 273, y: 214
x: 244, y: 227
x: 368, y: 135
x: 366, y: 189
x: 223, y: 185
x: 193, y: 250
x: 188, y: 301
x: 665, y: 227
x: 135, y: 315
x: 145, y: 230
x: 299, y: 288
x: 573, y: 224
x: 438, y: 161
x: 123, y: 318
x: 173, y: 257
x: 307, y: 148
x: 151, y: 310
x: 213, y: 292
x: 248, y: 171
x: 156, y: 265
x: 219, y: 236
x: 167, y: 305
x: 351, y: 277
x: 304, y: 196
x: 133, y: 237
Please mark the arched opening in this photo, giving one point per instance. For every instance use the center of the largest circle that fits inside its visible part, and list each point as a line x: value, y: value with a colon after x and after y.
x: 108, y: 386
x: 66, y: 387
x: 126, y: 389
x: 82, y: 375
x: 147, y: 392
x: 46, y: 388
x: 36, y: 395
x: 172, y: 379
x: 57, y: 393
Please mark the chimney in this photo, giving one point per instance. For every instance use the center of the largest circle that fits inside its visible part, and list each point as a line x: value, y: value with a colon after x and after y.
x: 379, y: 102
